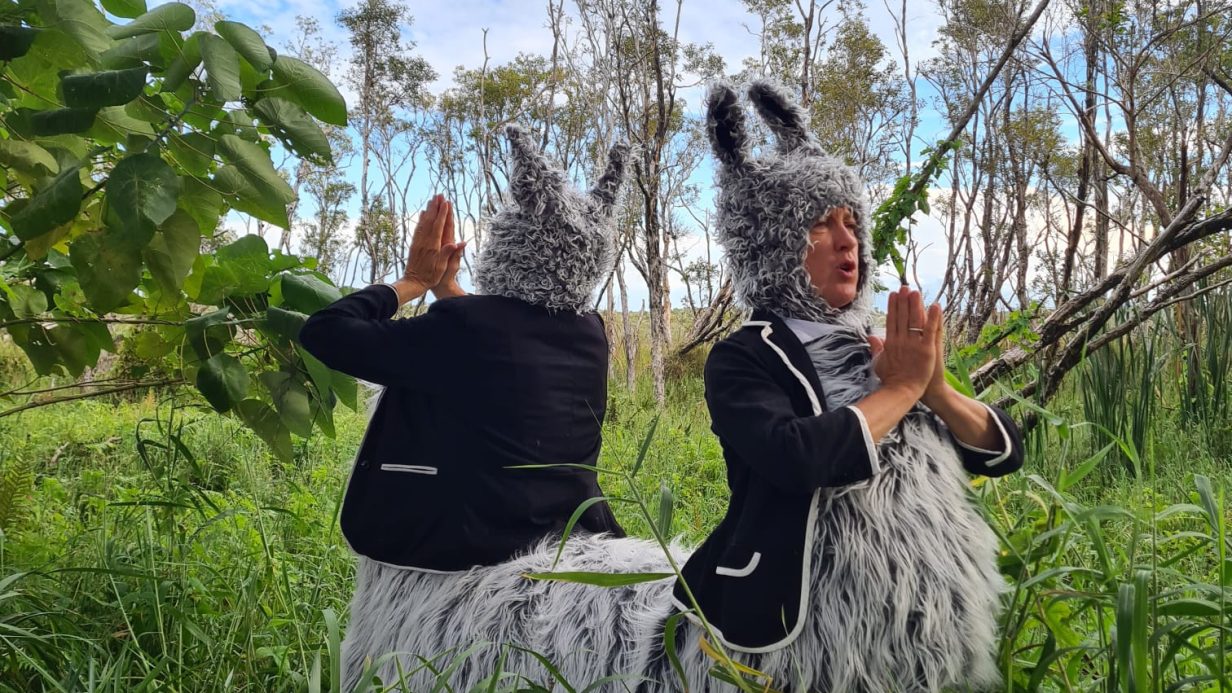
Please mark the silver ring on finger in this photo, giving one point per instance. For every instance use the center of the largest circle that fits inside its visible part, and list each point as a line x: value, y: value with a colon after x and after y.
x: 917, y: 330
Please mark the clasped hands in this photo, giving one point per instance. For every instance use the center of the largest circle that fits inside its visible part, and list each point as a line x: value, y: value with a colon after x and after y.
x: 435, y: 256
x: 911, y: 357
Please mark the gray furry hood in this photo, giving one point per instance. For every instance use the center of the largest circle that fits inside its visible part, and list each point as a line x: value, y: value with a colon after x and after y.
x: 768, y: 204
x: 550, y: 245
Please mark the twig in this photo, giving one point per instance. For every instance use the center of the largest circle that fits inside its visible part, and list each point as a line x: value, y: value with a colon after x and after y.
x: 96, y: 393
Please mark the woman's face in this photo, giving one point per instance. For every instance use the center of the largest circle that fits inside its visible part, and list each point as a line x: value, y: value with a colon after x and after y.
x: 833, y: 257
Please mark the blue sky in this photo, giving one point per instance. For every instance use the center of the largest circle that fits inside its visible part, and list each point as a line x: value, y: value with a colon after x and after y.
x: 449, y: 33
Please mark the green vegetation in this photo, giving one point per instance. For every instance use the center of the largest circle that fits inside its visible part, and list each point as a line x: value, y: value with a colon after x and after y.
x: 151, y: 544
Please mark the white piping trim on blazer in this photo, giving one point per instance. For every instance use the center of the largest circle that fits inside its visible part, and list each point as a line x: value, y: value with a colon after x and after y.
x: 1005, y: 441
x: 346, y: 488
x: 409, y: 468
x: 806, y: 561
x: 741, y: 572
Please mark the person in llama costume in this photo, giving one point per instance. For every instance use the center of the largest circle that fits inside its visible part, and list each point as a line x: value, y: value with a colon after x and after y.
x: 850, y: 560
x: 511, y: 376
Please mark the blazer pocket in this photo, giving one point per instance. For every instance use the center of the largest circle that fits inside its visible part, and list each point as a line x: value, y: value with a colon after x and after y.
x: 409, y: 469
x: 741, y: 572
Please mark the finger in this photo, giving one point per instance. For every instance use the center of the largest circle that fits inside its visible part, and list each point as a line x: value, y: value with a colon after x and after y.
x: 892, y: 317
x: 916, y: 315
x: 936, y: 322
x: 876, y: 344
x: 448, y: 237
x: 904, y: 312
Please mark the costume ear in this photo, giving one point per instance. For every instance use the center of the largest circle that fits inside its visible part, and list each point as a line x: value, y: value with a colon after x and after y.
x: 533, y: 179
x: 603, y: 195
x: 784, y: 116
x: 725, y: 126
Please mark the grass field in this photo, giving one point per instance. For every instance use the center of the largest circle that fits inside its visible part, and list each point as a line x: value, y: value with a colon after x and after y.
x: 150, y: 545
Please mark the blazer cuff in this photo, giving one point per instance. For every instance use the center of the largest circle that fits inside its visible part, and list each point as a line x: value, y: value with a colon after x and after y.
x: 998, y: 456
x: 397, y: 298
x: 870, y: 447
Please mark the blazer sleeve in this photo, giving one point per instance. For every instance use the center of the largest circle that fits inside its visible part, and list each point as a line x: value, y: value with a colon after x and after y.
x: 357, y: 336
x: 1007, y: 458
x: 754, y: 416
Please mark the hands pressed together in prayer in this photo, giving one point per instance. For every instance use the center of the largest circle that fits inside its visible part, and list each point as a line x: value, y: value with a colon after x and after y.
x: 910, y: 361
x: 435, y: 255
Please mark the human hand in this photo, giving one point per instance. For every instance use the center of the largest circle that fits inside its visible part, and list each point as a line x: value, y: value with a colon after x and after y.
x: 430, y: 255
x: 938, y: 387
x: 448, y: 286
x: 906, y: 359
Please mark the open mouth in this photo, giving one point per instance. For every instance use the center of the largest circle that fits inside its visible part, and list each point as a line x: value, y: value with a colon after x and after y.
x: 847, y: 269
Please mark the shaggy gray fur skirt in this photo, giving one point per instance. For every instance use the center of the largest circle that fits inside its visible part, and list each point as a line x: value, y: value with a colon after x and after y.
x: 904, y: 597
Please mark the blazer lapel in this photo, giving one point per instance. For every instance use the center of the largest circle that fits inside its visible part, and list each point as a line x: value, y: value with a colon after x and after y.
x: 785, y: 339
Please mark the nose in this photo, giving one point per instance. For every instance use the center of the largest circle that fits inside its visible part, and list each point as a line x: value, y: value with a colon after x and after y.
x: 845, y: 239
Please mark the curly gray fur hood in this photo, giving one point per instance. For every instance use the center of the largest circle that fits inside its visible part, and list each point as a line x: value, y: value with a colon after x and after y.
x: 550, y: 245
x: 767, y: 204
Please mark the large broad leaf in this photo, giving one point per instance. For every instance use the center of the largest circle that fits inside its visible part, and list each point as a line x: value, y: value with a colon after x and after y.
x: 266, y: 424
x: 284, y: 323
x: 295, y: 128
x: 310, y: 89
x: 115, y: 126
x: 202, y: 203
x: 27, y: 302
x: 247, y: 42
x: 252, y: 177
x: 209, y: 333
x: 194, y: 152
x: 125, y: 8
x: 291, y: 400
x: 27, y: 157
x: 108, y: 269
x: 143, y: 186
x: 172, y: 16
x: 39, y: 346
x: 100, y: 89
x: 134, y: 52
x: 248, y: 261
x: 61, y: 121
x: 81, y: 20
x: 223, y: 381
x: 306, y: 293
x: 222, y: 68
x: 15, y: 41
x: 183, y: 64
x: 173, y: 249
x: 50, y: 207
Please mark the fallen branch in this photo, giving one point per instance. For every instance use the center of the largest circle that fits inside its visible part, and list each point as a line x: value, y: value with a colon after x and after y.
x: 95, y: 393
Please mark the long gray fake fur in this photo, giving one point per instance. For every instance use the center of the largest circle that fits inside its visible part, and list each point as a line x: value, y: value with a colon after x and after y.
x: 903, y: 594
x: 550, y: 245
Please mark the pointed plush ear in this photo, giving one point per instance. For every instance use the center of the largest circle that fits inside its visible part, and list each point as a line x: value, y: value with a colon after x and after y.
x: 784, y: 116
x: 725, y: 126
x: 532, y: 175
x: 603, y: 195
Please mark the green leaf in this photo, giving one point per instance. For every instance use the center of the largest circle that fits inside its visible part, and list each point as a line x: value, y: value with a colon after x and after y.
x: 39, y: 346
x: 247, y: 42
x: 306, y: 293
x: 667, y: 502
x: 262, y: 192
x: 99, y: 89
x: 115, y: 126
x: 284, y: 323
x: 291, y: 400
x: 143, y: 186
x: 223, y: 381
x: 248, y: 261
x: 309, y: 88
x: 27, y: 302
x: 125, y: 8
x: 171, y: 252
x: 194, y: 152
x: 108, y: 268
x: 266, y: 424
x: 172, y: 16
x: 28, y: 158
x: 600, y: 579
x: 50, y: 207
x: 202, y: 203
x: 209, y: 333
x: 222, y: 68
x: 15, y: 41
x: 81, y: 20
x: 320, y: 373
x: 184, y: 63
x: 62, y: 121
x: 134, y: 52
x: 295, y: 128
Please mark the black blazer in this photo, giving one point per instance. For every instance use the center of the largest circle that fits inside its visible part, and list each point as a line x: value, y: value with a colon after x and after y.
x: 473, y: 386
x: 750, y: 574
